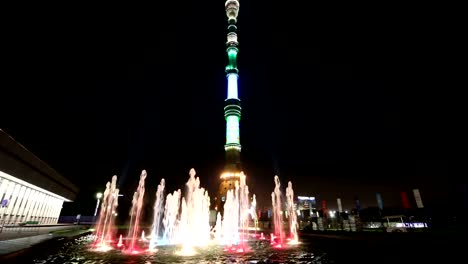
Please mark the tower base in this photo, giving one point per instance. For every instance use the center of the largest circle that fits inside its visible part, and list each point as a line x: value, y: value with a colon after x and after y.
x: 228, y: 182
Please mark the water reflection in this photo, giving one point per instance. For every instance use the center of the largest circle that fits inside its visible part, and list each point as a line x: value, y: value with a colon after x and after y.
x: 77, y: 251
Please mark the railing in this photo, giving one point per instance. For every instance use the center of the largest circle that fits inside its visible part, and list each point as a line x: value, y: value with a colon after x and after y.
x: 29, y: 226
x: 72, y: 219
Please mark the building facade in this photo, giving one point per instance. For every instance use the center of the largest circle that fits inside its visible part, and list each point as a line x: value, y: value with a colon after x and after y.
x: 305, y: 206
x: 30, y: 190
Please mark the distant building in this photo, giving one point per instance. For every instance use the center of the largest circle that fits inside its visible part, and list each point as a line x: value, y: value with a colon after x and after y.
x: 305, y: 206
x: 30, y: 190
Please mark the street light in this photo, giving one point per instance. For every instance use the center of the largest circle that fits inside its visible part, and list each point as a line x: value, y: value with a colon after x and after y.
x: 98, y: 196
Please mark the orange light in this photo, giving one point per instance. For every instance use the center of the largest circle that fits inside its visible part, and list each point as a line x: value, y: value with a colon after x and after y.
x: 227, y: 175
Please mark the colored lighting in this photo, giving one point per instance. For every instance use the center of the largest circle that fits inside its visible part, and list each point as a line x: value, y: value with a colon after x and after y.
x: 232, y: 85
x: 232, y: 129
x: 232, y: 106
x: 232, y: 146
x: 232, y: 55
x: 230, y: 174
x: 232, y: 109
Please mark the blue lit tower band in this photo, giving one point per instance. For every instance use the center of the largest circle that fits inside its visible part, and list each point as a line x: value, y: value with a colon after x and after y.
x: 232, y: 108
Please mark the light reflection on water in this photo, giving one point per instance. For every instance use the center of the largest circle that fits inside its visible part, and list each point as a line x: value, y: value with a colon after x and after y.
x: 77, y: 251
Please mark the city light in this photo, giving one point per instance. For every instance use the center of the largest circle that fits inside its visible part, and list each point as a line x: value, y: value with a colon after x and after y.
x: 306, y: 198
x: 98, y: 196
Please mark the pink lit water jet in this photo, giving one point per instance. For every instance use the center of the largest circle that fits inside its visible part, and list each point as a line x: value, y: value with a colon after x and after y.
x: 279, y: 236
x: 119, y: 244
x: 135, y: 214
x: 105, y: 228
x: 262, y: 236
x: 293, y: 237
x: 277, y: 212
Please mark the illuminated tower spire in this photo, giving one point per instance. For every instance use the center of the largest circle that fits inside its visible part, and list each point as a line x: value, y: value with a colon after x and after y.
x: 232, y: 108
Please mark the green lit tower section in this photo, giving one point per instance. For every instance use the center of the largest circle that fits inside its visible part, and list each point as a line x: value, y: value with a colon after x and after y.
x: 232, y: 108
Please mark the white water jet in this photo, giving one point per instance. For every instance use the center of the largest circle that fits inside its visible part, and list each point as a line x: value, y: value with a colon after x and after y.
x: 236, y: 218
x: 158, y: 212
x: 291, y: 214
x: 253, y: 211
x: 195, y: 214
x: 218, y: 229
x: 186, y: 219
x: 170, y: 220
x: 277, y: 212
x: 135, y: 212
x: 230, y: 223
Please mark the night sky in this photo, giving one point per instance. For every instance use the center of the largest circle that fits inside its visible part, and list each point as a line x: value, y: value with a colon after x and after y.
x: 341, y: 100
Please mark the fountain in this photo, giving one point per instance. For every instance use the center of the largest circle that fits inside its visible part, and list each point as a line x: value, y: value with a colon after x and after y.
x: 105, y: 228
x: 235, y: 224
x: 278, y: 237
x: 194, y: 228
x: 182, y: 219
x: 182, y: 226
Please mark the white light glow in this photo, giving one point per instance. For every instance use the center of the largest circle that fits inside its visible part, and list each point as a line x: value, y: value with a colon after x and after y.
x: 232, y: 37
x: 236, y: 147
x: 232, y: 9
x: 232, y: 86
x: 232, y: 129
x: 231, y: 174
x: 306, y: 198
x: 411, y: 225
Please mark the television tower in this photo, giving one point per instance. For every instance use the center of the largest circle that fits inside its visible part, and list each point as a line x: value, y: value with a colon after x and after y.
x: 232, y: 109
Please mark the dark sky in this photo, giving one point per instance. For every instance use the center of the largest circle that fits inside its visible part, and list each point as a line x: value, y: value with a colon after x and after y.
x: 342, y: 100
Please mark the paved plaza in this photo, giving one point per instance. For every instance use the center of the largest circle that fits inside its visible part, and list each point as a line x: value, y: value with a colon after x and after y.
x: 14, y: 240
